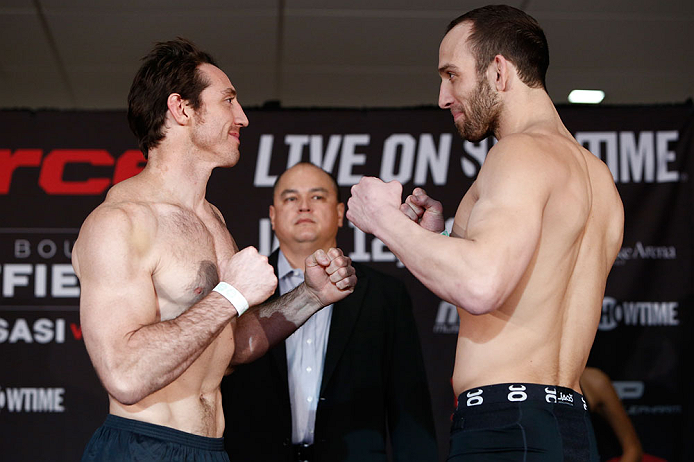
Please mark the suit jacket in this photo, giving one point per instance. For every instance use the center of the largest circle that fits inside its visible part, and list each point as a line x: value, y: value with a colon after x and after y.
x: 373, y: 390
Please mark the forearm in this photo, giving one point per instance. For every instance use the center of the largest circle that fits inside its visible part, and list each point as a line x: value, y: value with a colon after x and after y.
x: 269, y: 323
x: 452, y: 268
x: 155, y: 355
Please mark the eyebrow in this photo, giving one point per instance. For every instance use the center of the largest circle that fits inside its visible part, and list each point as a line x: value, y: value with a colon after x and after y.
x: 295, y: 191
x: 447, y: 67
x: 229, y: 92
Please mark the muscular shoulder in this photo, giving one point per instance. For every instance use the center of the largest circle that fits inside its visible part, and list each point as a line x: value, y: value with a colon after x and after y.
x: 524, y: 153
x: 517, y: 169
x: 115, y: 229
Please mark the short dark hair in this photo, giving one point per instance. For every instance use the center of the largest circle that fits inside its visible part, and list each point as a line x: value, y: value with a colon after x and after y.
x: 171, y: 67
x: 512, y: 33
x: 332, y: 179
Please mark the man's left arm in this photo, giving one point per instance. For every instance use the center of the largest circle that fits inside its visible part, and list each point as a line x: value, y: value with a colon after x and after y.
x: 410, y: 417
x: 329, y: 277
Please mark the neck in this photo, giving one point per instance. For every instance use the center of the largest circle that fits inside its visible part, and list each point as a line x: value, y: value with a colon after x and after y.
x: 180, y: 176
x: 527, y: 110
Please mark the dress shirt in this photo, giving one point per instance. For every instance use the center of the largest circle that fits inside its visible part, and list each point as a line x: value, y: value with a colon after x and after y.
x: 305, y: 358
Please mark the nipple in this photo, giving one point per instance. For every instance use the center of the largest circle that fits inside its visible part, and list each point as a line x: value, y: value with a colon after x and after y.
x: 198, y: 290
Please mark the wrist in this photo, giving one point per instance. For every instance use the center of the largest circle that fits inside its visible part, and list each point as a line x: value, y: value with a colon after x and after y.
x: 233, y: 296
x: 311, y: 302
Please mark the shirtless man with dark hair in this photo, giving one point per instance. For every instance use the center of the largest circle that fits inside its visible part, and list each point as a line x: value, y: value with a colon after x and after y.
x: 534, y: 239
x: 163, y: 284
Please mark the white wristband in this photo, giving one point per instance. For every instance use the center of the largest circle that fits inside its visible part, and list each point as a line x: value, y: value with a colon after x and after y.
x: 233, y: 295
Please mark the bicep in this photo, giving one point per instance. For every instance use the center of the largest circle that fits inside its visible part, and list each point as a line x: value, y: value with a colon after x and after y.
x: 506, y: 220
x: 117, y: 293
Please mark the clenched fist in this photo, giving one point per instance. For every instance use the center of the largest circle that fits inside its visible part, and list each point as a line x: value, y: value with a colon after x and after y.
x: 329, y: 276
x: 371, y: 199
x: 251, y: 274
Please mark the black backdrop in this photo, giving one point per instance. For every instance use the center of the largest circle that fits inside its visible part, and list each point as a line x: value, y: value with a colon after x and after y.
x: 55, y: 167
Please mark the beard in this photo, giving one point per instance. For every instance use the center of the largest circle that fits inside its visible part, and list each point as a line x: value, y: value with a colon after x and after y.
x: 481, y: 115
x: 207, y: 137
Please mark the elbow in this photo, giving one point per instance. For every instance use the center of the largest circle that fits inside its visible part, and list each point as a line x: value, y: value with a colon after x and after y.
x: 127, y: 392
x: 481, y: 296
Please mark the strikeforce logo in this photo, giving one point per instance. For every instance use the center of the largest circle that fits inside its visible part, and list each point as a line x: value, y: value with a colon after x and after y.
x: 32, y: 399
x: 53, y: 167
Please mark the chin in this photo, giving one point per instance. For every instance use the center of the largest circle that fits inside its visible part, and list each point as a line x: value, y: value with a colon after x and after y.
x: 230, y: 159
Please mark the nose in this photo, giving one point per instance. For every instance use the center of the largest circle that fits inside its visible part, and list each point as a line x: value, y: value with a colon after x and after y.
x: 240, y: 118
x: 304, y: 204
x: 445, y: 95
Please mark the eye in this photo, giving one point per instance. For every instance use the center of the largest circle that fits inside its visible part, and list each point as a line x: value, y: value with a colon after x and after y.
x: 450, y: 75
x: 318, y: 197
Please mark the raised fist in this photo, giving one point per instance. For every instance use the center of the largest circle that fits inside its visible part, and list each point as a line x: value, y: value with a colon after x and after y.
x: 422, y: 209
x: 251, y: 274
x: 329, y: 276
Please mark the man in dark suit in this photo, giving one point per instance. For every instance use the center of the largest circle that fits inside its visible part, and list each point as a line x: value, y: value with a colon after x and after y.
x: 351, y: 379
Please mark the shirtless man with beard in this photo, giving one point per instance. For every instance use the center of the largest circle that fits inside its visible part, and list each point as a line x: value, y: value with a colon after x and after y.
x: 534, y: 240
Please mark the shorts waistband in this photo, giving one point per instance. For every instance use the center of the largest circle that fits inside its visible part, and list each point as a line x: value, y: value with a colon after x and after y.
x: 518, y: 393
x: 164, y: 433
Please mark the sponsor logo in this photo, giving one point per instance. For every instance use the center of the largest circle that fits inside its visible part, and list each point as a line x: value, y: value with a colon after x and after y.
x: 474, y: 398
x: 629, y: 389
x: 37, y: 265
x: 41, y: 331
x: 517, y: 393
x: 662, y: 409
x: 637, y: 314
x: 29, y: 400
x: 646, y: 252
x: 565, y: 398
x: 447, y: 320
x: 54, y: 165
x: 635, y: 157
x: 551, y: 396
x: 635, y: 390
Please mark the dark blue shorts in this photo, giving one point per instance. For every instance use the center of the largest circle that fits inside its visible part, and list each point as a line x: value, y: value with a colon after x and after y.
x: 522, y: 422
x: 120, y: 439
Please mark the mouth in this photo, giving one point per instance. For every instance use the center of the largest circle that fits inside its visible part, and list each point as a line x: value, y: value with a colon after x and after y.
x: 303, y: 220
x: 235, y: 135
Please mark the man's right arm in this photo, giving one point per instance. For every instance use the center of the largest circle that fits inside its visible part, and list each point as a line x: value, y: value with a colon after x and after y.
x: 479, y: 271
x: 133, y: 352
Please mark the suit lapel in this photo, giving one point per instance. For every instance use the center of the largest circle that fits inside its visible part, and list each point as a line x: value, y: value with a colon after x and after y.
x: 344, y: 318
x: 279, y: 352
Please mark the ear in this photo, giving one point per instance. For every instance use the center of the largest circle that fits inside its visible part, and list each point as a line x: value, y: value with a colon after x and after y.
x: 501, y: 71
x: 340, y: 214
x: 271, y: 212
x: 179, y: 109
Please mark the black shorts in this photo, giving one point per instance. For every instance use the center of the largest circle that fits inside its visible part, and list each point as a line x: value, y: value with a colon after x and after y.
x: 120, y: 439
x: 522, y: 422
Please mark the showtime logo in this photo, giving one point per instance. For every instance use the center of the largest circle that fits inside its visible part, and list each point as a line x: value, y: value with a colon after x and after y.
x: 53, y: 167
x: 447, y: 319
x: 638, y: 314
x: 32, y: 399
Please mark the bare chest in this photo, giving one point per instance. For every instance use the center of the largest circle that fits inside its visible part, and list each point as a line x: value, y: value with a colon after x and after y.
x: 188, y: 253
x: 462, y: 215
